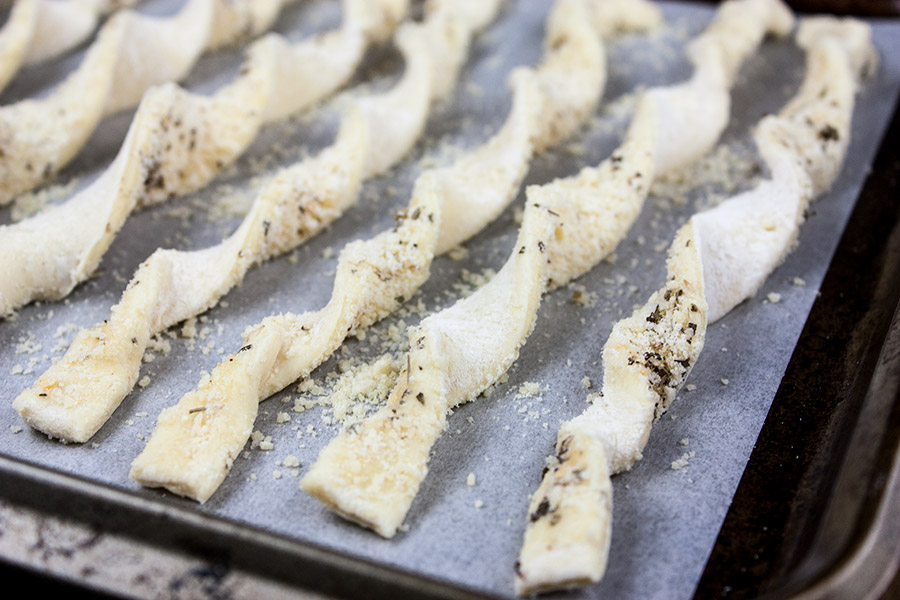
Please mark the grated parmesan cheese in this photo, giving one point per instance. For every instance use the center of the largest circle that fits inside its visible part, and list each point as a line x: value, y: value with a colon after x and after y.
x: 682, y: 462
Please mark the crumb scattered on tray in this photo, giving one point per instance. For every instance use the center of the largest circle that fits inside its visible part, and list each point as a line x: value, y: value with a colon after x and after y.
x: 682, y: 462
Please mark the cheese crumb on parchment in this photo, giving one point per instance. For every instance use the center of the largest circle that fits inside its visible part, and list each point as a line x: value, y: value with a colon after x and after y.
x: 31, y: 203
x: 582, y: 297
x: 459, y: 253
x: 189, y: 329
x: 529, y: 389
x: 28, y: 345
x: 712, y: 178
x: 682, y: 462
x: 261, y: 441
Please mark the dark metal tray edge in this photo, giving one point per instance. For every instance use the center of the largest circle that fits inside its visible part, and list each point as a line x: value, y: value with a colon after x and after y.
x: 225, y: 544
x: 809, y: 504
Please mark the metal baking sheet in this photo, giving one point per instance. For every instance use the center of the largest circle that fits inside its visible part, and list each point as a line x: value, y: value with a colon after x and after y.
x: 665, y: 520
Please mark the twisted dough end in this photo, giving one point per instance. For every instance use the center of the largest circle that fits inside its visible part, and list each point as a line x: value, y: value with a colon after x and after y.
x: 567, y: 541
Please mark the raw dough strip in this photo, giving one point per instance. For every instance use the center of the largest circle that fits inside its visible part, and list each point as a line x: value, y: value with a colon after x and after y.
x: 131, y: 53
x: 76, y: 396
x: 193, y: 445
x: 38, y: 30
x: 718, y: 259
x: 178, y: 142
x: 372, y: 472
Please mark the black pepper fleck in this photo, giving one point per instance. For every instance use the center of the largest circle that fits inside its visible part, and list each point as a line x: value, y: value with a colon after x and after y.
x: 829, y: 134
x: 542, y: 509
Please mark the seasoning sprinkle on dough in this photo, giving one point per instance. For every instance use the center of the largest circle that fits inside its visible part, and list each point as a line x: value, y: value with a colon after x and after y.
x: 171, y: 285
x: 717, y: 260
x: 40, y: 137
x: 377, y: 136
x: 372, y: 476
x: 177, y: 142
x: 376, y: 276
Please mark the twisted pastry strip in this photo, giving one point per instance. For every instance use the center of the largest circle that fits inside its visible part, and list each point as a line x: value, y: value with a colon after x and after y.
x: 177, y: 143
x: 718, y: 259
x: 191, y: 449
x: 132, y: 52
x: 170, y: 286
x: 37, y: 30
x: 371, y: 473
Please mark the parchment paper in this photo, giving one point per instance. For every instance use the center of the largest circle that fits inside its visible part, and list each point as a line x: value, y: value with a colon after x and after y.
x: 665, y: 520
